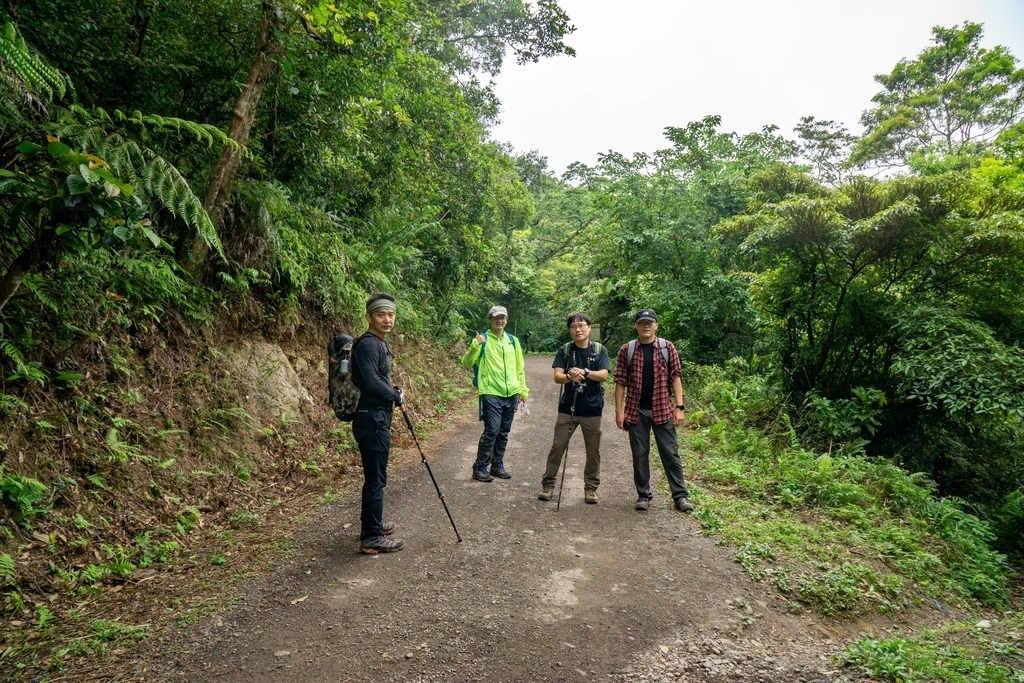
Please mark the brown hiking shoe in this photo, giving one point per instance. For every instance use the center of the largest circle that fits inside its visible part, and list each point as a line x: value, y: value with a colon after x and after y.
x: 590, y: 497
x: 683, y: 505
x: 545, y: 493
x: 380, y: 544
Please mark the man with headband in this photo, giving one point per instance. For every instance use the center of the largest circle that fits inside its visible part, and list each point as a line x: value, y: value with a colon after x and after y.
x: 371, y: 373
x: 501, y: 383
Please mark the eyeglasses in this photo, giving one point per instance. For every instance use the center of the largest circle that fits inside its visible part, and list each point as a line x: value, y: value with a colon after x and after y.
x: 581, y: 326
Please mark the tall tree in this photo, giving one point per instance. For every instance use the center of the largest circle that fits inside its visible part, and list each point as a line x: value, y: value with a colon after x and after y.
x: 953, y: 100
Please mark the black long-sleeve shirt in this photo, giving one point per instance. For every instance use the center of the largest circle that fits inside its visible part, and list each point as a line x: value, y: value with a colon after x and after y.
x: 371, y: 372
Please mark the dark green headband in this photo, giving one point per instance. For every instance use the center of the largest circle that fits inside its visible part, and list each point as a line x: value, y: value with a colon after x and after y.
x: 379, y: 304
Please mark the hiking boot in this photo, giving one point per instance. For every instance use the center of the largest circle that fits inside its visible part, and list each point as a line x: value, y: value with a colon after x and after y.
x: 500, y: 473
x: 380, y: 544
x: 642, y: 504
x: 387, y: 528
x: 590, y: 497
x: 683, y: 505
x: 545, y: 493
x: 481, y: 475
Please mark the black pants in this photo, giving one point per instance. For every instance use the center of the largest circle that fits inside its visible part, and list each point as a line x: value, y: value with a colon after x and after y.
x: 372, y: 429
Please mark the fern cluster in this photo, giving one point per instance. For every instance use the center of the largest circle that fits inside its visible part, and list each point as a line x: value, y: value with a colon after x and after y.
x: 158, y: 179
x: 22, y: 70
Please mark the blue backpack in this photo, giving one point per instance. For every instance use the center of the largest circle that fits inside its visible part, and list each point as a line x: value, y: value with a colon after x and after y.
x: 476, y: 367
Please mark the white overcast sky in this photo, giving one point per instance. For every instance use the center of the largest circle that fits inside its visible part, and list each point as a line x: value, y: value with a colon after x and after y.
x: 643, y: 65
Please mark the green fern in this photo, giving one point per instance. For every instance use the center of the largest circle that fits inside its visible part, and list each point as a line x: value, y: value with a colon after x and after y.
x: 12, y: 352
x: 20, y: 66
x: 44, y: 291
x: 6, y: 569
x: 158, y: 179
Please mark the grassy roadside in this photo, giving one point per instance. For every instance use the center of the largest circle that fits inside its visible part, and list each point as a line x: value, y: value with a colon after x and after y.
x: 841, y: 534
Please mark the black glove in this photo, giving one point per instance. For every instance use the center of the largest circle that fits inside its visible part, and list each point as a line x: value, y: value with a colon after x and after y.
x: 399, y: 397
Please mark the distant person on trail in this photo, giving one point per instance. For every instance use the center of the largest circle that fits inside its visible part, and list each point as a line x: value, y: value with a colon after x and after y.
x: 580, y: 367
x: 644, y: 370
x: 497, y: 358
x: 371, y: 373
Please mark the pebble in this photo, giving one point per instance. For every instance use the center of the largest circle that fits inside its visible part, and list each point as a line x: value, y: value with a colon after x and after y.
x: 731, y: 660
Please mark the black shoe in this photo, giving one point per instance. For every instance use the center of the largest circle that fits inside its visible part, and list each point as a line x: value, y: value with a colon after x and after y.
x: 481, y: 475
x: 683, y: 505
x: 642, y: 504
x: 500, y: 473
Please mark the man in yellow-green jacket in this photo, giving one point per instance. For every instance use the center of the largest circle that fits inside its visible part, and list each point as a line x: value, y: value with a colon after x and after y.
x: 497, y: 358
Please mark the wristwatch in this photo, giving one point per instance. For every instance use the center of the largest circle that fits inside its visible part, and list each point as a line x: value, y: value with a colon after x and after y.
x: 681, y: 407
x: 586, y: 373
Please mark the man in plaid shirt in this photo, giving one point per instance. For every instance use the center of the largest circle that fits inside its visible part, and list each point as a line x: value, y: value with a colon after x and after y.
x: 644, y: 381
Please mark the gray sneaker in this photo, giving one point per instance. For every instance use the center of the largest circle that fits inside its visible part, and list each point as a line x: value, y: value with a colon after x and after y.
x: 590, y: 497
x: 683, y: 505
x: 380, y: 544
x: 545, y: 493
x: 642, y: 504
x: 388, y: 528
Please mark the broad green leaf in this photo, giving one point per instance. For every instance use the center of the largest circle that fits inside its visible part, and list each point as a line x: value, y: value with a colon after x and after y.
x: 29, y: 148
x: 123, y: 233
x: 58, y: 149
x: 88, y: 174
x: 153, y: 237
x: 77, y: 184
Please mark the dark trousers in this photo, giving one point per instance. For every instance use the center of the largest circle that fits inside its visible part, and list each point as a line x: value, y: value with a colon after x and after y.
x: 496, y: 413
x: 668, y: 449
x: 372, y: 429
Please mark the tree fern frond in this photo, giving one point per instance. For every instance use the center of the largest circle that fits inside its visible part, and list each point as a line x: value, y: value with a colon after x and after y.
x: 38, y: 76
x: 202, y: 132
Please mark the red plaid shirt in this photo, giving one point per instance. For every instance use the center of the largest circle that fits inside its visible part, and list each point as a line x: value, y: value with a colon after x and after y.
x: 632, y: 377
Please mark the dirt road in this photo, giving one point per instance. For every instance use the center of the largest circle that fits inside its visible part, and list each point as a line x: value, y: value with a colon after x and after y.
x: 590, y: 591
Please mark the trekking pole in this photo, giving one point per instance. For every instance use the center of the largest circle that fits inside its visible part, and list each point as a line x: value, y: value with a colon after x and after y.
x: 565, y: 456
x: 424, y: 459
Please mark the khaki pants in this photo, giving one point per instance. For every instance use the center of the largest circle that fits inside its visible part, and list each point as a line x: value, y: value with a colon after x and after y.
x: 591, y: 440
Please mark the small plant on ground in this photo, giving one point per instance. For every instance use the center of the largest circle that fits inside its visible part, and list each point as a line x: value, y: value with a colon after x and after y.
x: 976, y: 652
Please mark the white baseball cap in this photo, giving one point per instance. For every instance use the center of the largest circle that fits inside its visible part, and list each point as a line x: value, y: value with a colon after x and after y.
x: 497, y: 310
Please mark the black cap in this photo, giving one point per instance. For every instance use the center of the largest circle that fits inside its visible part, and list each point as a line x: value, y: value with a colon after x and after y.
x: 645, y: 314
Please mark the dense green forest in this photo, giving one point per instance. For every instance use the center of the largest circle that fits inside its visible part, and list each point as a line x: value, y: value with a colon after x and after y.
x: 876, y: 281
x: 175, y: 174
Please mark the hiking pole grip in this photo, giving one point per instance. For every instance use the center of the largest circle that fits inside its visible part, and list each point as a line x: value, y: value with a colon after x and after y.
x: 423, y: 459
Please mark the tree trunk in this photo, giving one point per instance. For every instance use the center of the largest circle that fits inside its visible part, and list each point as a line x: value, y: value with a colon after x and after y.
x: 195, y: 252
